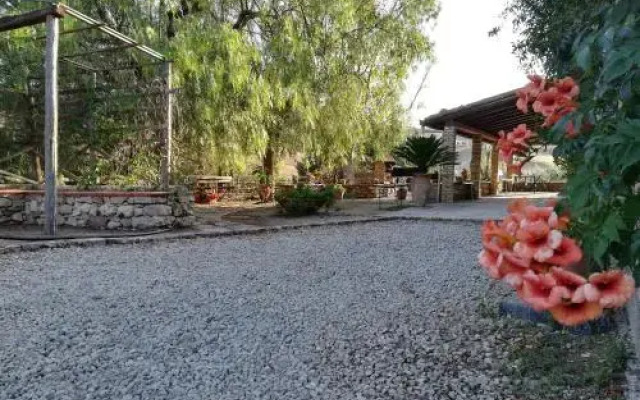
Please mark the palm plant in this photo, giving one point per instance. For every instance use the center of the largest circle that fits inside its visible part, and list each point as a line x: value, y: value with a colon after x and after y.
x: 425, y: 152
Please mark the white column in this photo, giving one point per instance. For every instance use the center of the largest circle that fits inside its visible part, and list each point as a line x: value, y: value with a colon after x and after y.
x: 167, y: 133
x: 51, y: 125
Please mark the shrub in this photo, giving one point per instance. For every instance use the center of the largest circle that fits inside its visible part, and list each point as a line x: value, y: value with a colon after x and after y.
x: 304, y: 200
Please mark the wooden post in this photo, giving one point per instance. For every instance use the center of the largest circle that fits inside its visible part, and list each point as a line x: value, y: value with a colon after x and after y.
x: 165, y: 168
x: 51, y: 124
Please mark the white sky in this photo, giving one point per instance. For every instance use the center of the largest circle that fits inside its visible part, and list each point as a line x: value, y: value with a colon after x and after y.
x: 470, y: 65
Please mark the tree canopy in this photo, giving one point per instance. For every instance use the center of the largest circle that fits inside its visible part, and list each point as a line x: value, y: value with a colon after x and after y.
x: 547, y: 30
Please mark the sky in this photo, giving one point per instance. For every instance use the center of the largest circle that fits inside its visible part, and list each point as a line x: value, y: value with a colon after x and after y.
x: 469, y: 64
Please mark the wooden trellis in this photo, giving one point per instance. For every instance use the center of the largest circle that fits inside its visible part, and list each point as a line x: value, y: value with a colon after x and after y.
x: 51, y: 17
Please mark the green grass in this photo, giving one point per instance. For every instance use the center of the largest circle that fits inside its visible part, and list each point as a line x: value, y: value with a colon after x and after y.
x: 557, y: 365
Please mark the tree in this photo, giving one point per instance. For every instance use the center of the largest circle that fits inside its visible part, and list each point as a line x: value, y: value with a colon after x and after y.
x: 325, y: 76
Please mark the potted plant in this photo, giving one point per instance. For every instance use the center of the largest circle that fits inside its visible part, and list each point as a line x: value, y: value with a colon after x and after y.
x: 201, y: 196
x: 401, y: 193
x: 425, y: 153
x: 265, y: 191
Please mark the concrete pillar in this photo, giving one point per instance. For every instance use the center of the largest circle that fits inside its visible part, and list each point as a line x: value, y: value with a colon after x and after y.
x: 495, y: 163
x: 476, y: 164
x: 447, y: 172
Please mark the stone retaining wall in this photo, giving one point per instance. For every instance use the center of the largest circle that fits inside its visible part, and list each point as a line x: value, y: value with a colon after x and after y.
x: 101, y: 209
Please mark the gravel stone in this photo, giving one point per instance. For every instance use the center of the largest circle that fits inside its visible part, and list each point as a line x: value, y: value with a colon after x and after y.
x: 378, y: 311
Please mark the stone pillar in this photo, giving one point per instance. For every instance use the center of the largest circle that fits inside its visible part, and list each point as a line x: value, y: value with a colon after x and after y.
x: 508, y: 173
x: 476, y: 164
x: 379, y: 170
x: 495, y: 163
x: 447, y: 172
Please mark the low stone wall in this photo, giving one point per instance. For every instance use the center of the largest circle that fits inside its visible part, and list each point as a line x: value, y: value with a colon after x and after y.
x: 555, y: 186
x: 100, y: 209
x: 360, y: 191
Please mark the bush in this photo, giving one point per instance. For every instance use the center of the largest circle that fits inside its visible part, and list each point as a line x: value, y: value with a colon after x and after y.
x: 304, y: 200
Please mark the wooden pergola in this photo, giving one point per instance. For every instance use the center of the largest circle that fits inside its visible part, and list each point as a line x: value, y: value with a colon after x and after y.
x: 51, y: 16
x: 480, y: 121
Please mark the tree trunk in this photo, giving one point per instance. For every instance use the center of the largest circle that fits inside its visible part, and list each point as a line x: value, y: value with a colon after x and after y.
x: 37, y: 166
x: 268, y: 165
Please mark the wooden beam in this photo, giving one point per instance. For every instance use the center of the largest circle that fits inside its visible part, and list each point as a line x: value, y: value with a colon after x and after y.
x: 471, y: 131
x: 167, y: 133
x: 112, y: 32
x: 484, y: 105
x: 533, y: 121
x: 51, y: 124
x: 18, y: 177
x: 31, y: 18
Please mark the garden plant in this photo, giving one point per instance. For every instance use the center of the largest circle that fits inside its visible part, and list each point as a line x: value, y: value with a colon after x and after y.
x: 576, y: 258
x: 305, y: 200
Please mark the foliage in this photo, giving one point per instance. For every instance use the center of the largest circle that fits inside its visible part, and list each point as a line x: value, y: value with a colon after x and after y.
x: 337, y: 190
x: 258, y: 78
x: 304, y: 200
x: 108, y: 119
x: 594, y: 126
x: 532, y: 249
x: 309, y: 165
x: 261, y: 176
x: 547, y: 29
x: 602, y: 192
x: 425, y: 153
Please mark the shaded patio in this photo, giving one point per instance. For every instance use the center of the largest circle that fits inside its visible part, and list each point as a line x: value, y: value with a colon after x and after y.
x: 479, y: 121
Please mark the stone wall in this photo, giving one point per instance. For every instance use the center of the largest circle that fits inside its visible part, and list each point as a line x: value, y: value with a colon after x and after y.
x: 361, y: 191
x: 448, y: 172
x: 100, y: 209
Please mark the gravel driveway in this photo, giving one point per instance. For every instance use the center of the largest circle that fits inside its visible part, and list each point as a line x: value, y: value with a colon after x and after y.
x: 370, y: 311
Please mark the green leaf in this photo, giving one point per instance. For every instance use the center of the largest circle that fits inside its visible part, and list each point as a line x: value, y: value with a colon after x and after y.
x: 617, y: 65
x: 631, y: 210
x: 611, y: 227
x: 579, y: 189
x: 583, y: 57
x: 600, y: 249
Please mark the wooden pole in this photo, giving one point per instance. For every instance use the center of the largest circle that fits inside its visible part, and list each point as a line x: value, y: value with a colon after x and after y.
x: 51, y: 124
x: 165, y: 171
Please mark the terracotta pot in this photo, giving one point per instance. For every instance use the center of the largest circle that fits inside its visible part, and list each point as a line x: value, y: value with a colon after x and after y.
x: 423, y: 190
x: 401, y: 194
x: 265, y: 193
